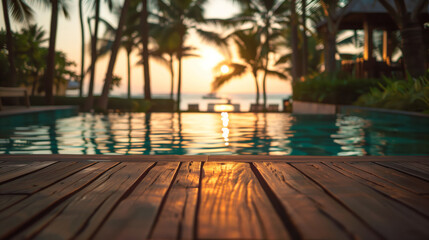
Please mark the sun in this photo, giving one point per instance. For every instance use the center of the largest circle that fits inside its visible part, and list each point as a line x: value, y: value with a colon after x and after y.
x: 224, y: 69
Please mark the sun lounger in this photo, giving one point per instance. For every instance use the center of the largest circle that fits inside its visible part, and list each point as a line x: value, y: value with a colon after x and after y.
x: 14, y: 92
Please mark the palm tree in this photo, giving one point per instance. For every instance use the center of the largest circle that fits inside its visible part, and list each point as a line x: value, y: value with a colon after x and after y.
x: 56, y: 5
x: 411, y: 33
x: 266, y: 15
x: 20, y: 12
x: 330, y: 9
x: 82, y: 54
x: 177, y: 17
x: 145, y: 43
x: 34, y: 37
x: 249, y: 46
x: 102, y: 104
x: 90, y: 99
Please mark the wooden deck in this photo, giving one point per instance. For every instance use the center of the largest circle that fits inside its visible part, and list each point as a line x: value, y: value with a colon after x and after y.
x: 213, y: 197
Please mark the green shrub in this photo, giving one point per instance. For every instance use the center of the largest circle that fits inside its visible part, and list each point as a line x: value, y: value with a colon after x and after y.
x: 338, y: 88
x: 409, y: 95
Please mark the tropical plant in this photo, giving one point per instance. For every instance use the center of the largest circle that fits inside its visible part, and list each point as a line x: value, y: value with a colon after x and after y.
x: 330, y: 10
x: 30, y: 54
x: 94, y: 37
x: 56, y: 6
x: 145, y: 53
x: 410, y: 95
x: 411, y: 33
x: 102, y: 103
x: 268, y: 17
x: 82, y: 53
x: 248, y: 45
x: 177, y: 18
x: 338, y: 88
x: 21, y: 12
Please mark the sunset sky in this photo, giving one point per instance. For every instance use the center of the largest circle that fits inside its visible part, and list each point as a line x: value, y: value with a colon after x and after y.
x: 197, y: 72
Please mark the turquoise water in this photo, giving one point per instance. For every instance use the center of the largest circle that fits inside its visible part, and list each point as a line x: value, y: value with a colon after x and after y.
x: 351, y: 134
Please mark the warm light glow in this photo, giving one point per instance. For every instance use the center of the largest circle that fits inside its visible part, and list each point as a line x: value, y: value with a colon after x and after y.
x: 224, y: 69
x: 225, y: 130
x: 223, y: 108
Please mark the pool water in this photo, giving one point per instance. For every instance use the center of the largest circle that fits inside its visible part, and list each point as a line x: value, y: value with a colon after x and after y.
x: 351, y: 134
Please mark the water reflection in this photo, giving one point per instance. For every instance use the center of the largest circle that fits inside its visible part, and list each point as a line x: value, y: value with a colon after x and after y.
x: 218, y: 133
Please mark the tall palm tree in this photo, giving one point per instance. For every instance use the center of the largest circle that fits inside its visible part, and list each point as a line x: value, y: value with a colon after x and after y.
x: 330, y: 10
x: 90, y: 99
x: 248, y: 44
x: 20, y: 12
x: 178, y: 17
x: 102, y: 104
x: 294, y: 41
x: 411, y: 33
x: 266, y: 15
x: 82, y: 53
x: 56, y: 5
x: 145, y: 44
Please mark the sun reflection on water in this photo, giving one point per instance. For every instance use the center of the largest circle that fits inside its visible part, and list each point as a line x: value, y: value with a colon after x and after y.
x: 225, y: 129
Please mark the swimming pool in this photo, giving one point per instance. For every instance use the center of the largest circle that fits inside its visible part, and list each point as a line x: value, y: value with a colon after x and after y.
x: 347, y: 134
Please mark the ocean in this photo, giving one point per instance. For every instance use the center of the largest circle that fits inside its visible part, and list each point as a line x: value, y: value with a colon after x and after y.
x: 243, y: 99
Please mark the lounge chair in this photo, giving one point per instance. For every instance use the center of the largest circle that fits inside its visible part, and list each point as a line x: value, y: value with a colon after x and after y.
x: 14, y: 92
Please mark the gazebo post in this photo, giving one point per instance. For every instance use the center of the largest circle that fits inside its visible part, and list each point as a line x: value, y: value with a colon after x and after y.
x: 387, y: 47
x: 368, y: 48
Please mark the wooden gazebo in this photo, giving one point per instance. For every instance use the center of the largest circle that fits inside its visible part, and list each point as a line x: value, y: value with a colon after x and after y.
x: 369, y: 15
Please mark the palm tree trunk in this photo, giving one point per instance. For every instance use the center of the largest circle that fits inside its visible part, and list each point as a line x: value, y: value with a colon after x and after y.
x: 50, y: 66
x: 145, y: 41
x: 304, y: 38
x: 255, y: 76
x: 264, y: 84
x: 294, y: 42
x: 179, y: 82
x: 172, y: 77
x: 35, y: 79
x: 10, y: 46
x: 329, y: 51
x: 102, y: 104
x: 129, y: 74
x: 413, y: 49
x: 90, y: 99
x: 82, y: 54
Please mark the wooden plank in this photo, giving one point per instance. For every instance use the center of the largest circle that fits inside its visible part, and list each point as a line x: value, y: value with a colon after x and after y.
x: 10, y: 170
x: 253, y: 158
x: 412, y: 168
x: 178, y: 213
x: 400, y: 179
x: 314, y: 213
x: 234, y: 205
x: 82, y: 214
x: 134, y: 216
x: 388, y: 217
x: 33, y: 182
x: 410, y: 199
x: 114, y: 158
x: 35, y: 206
x: 203, y: 158
x: 8, y: 200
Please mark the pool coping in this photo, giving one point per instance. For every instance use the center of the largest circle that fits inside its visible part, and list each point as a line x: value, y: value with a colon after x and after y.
x: 36, y: 109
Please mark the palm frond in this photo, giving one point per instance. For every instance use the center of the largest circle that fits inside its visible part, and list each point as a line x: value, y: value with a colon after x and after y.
x: 236, y: 70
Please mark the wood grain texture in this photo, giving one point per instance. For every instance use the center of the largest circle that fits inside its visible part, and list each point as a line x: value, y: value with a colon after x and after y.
x: 314, y: 213
x: 409, y: 199
x: 134, y: 217
x: 38, y: 180
x: 412, y: 168
x: 12, y: 170
x: 398, y: 178
x: 371, y: 206
x: 178, y: 213
x: 233, y: 205
x: 35, y: 206
x: 82, y: 214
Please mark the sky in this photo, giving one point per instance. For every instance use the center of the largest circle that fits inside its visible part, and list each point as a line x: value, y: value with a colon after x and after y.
x: 197, y: 72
